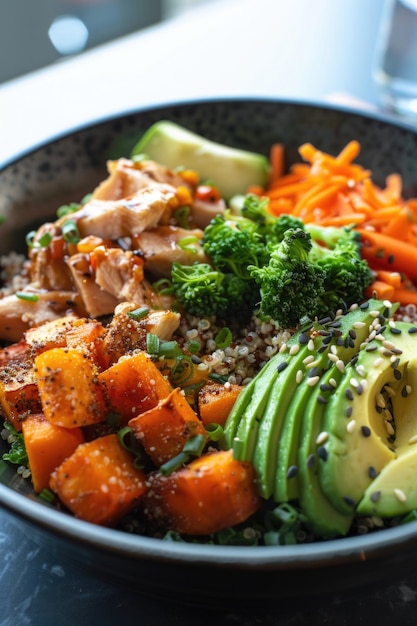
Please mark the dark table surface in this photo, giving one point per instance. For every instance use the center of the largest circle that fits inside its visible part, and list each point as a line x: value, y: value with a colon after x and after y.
x: 321, y: 50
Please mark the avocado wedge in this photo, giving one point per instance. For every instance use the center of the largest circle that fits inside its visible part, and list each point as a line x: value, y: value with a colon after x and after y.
x: 230, y: 169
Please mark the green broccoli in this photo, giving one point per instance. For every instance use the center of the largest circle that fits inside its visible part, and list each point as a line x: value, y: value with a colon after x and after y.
x: 205, y: 291
x: 291, y: 283
x: 233, y: 245
x: 346, y: 274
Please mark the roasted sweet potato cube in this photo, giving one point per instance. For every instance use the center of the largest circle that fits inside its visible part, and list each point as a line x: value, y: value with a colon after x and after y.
x: 99, y: 483
x: 134, y: 385
x: 164, y: 430
x: 215, y: 401
x: 213, y: 492
x: 18, y: 386
x: 70, y: 393
x: 47, y: 446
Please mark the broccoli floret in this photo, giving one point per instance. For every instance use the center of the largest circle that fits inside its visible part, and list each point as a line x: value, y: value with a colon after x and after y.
x: 232, y: 245
x: 329, y: 236
x: 204, y: 291
x: 291, y: 283
x: 199, y: 289
x: 346, y: 275
x: 283, y: 223
x: 271, y: 228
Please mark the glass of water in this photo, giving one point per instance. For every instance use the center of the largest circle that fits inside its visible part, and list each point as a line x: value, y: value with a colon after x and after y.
x: 396, y: 57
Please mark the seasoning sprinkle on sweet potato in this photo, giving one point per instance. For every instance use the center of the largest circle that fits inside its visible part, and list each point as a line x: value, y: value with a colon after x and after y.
x: 211, y: 493
x: 98, y: 482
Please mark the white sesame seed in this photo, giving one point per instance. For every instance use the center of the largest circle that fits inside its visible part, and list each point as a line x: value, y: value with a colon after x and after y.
x: 374, y: 313
x: 389, y: 428
x: 333, y: 382
x: 387, y: 304
x: 308, y: 359
x: 358, y: 325
x: 313, y: 381
x: 333, y: 357
x: 400, y: 495
x: 294, y: 349
x: 311, y: 345
x: 322, y: 437
x: 361, y: 371
x: 299, y: 376
x: 388, y: 344
x: 340, y: 365
x: 412, y: 440
x: 378, y: 362
x: 350, y: 427
x: 313, y: 364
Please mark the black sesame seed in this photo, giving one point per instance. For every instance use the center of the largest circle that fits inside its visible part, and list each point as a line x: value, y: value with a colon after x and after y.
x: 350, y: 342
x: 375, y: 496
x: 303, y: 339
x: 322, y: 453
x: 366, y: 431
x: 364, y: 306
x: 196, y: 359
x: 371, y: 347
x: 404, y: 392
x: 321, y: 400
x: 349, y: 394
x: 352, y: 333
x: 372, y: 472
x: 391, y: 259
x: 292, y: 471
x: 349, y: 411
x: 397, y: 375
x: 314, y: 371
x: 325, y: 320
x: 327, y: 340
x: 322, y: 349
x: 325, y: 387
x: 354, y: 360
x: 378, y: 408
x: 311, y: 461
x: 359, y: 389
x: 281, y: 367
x: 412, y: 330
x: 395, y: 363
x: 349, y: 501
x: 395, y: 331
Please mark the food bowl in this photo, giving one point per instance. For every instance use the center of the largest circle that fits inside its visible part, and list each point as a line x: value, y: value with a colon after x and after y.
x: 33, y: 186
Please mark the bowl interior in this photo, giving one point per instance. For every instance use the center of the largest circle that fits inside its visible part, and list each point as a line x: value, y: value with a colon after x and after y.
x: 34, y: 185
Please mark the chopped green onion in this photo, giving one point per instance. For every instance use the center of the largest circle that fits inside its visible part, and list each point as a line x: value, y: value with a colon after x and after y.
x: 194, y: 446
x: 137, y: 158
x: 223, y: 338
x: 139, y: 313
x: 215, y: 431
x: 181, y: 215
x: 44, y: 240
x: 169, y: 349
x: 218, y: 377
x: 187, y: 244
x: 152, y: 344
x: 163, y: 286
x: 47, y: 494
x: 194, y: 346
x: 30, y: 237
x: 70, y: 231
x: 67, y: 209
x: 173, y: 464
x: 29, y: 297
x: 238, y: 447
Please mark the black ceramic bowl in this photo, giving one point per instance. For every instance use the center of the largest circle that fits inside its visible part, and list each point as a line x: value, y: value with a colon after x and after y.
x: 33, y: 186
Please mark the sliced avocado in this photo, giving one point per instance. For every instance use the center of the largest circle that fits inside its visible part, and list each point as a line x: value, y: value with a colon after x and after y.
x: 232, y: 170
x: 394, y: 491
x: 323, y: 518
x: 338, y: 341
x: 364, y: 421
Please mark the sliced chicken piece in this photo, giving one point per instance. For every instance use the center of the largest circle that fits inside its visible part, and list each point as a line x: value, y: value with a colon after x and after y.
x: 114, y: 219
x: 49, y: 273
x: 201, y: 213
x: 160, y: 249
x: 126, y: 177
x: 125, y: 333
x: 120, y: 273
x: 18, y: 314
x: 97, y: 302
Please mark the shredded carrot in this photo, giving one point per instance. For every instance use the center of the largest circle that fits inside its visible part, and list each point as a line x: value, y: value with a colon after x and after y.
x: 336, y: 191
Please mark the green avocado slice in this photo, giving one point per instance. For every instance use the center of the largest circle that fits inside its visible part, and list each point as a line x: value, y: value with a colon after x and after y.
x: 345, y: 335
x: 232, y: 170
x: 394, y: 491
x: 365, y: 418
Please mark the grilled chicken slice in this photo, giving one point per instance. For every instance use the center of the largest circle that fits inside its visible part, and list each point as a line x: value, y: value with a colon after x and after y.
x: 160, y: 249
x: 18, y: 314
x: 201, y: 213
x: 126, y: 177
x: 115, y: 219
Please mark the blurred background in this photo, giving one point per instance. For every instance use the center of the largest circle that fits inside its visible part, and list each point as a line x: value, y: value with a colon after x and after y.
x: 36, y: 33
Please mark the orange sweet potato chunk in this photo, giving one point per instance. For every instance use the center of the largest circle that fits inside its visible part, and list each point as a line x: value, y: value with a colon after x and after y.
x: 70, y: 393
x: 164, y: 430
x: 134, y: 385
x: 47, y: 446
x: 215, y: 401
x: 99, y: 483
x: 211, y: 493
